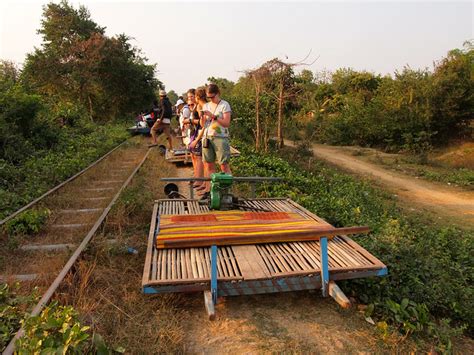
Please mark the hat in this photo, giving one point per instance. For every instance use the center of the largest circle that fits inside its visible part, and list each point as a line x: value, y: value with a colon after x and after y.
x: 162, y: 93
x: 179, y: 102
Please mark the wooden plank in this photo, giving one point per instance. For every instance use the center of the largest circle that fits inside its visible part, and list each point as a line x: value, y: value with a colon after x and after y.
x: 309, y: 256
x: 209, y: 304
x: 233, y: 263
x: 297, y: 255
x: 193, y: 262
x: 339, y: 296
x: 150, y: 246
x: 286, y: 256
x: 276, y: 257
x: 243, y: 238
x: 205, y: 262
x: 361, y: 250
x: 269, y: 257
x: 250, y: 262
x: 173, y: 263
x: 221, y: 260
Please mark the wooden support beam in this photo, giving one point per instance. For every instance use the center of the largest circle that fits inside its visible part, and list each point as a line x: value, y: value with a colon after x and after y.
x: 284, y: 236
x: 47, y: 247
x: 339, y: 296
x: 20, y: 277
x: 99, y: 189
x: 81, y: 210
x: 95, y: 198
x: 209, y: 304
x: 70, y: 225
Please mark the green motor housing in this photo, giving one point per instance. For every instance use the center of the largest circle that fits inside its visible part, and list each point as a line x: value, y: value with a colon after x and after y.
x: 220, y: 185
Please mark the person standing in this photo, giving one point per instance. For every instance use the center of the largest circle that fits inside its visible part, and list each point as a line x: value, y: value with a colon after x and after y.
x: 184, y: 123
x: 163, y: 122
x: 196, y: 101
x: 215, y: 142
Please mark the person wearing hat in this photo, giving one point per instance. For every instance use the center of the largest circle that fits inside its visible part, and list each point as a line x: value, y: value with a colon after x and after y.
x: 163, y: 122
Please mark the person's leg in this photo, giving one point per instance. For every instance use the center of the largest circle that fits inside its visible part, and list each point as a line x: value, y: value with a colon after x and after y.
x: 226, y: 168
x: 167, y: 131
x: 199, y: 166
x: 209, y: 158
x: 153, y: 131
x: 222, y: 147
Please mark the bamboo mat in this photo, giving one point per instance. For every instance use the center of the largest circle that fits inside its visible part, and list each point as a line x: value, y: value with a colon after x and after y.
x: 249, y: 262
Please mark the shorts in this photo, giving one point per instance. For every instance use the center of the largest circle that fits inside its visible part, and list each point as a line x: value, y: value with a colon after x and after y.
x: 161, y: 127
x: 218, y: 150
x: 197, y: 150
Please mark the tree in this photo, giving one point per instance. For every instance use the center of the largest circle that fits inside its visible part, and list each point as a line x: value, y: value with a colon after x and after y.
x: 173, y: 96
x: 77, y: 63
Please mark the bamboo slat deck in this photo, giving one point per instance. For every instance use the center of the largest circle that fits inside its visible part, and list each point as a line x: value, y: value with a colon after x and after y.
x: 182, y: 155
x: 249, y: 269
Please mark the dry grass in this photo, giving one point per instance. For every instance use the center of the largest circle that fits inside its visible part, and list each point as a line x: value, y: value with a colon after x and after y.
x: 106, y: 288
x: 47, y: 264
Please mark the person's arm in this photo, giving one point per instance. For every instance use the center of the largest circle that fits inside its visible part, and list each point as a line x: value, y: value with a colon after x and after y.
x: 225, y: 120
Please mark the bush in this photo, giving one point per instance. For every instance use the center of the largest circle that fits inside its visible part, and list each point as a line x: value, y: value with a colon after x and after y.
x: 429, y: 266
x: 56, y: 329
x: 12, y: 311
x: 28, y: 222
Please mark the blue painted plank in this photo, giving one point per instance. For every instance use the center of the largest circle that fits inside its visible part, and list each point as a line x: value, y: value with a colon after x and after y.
x: 323, y: 243
x: 214, y: 273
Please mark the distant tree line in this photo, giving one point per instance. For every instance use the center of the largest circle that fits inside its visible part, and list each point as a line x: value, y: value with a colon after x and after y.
x: 411, y: 110
x: 57, y: 111
x: 77, y: 74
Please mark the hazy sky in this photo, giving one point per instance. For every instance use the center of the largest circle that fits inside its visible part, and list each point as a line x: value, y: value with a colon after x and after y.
x: 191, y: 41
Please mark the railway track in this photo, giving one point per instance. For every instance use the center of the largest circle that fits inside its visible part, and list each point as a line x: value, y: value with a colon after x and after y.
x: 78, y: 207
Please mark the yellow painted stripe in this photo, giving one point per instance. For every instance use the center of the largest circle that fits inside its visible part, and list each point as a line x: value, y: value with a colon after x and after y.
x: 233, y: 226
x: 194, y: 235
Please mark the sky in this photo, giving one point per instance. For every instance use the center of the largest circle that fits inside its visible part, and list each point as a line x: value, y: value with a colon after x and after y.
x: 191, y: 41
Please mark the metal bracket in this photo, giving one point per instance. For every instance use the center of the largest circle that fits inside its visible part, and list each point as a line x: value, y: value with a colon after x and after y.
x: 323, y: 244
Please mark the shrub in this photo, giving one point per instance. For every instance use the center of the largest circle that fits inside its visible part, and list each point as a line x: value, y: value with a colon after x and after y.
x: 28, y: 222
x: 429, y: 266
x: 56, y: 330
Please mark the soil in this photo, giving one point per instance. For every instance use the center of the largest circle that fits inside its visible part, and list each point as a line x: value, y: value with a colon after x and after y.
x: 456, y: 204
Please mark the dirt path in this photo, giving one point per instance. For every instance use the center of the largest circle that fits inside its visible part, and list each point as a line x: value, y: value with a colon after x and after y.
x: 431, y: 196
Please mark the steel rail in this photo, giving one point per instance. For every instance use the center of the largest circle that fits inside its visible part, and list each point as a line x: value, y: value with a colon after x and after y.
x: 67, y: 267
x: 57, y: 187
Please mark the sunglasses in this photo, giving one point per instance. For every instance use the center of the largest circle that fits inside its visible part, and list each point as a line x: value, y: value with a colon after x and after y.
x: 210, y: 97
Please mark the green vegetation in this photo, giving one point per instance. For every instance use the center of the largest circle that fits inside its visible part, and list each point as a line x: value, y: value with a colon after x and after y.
x: 28, y: 222
x: 411, y: 111
x: 431, y: 267
x: 67, y: 105
x: 56, y: 329
x: 12, y: 311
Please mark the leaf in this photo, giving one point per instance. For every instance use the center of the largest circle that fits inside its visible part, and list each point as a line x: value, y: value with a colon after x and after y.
x: 369, y: 320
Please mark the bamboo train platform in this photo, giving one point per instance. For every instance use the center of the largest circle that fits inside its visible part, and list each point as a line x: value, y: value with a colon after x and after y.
x: 183, y: 156
x: 235, y: 270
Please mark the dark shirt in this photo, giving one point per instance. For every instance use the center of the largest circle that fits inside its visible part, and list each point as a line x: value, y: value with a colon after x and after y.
x: 166, y: 109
